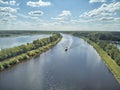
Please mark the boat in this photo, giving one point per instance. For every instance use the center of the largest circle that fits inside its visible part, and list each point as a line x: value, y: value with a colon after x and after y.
x: 66, y: 49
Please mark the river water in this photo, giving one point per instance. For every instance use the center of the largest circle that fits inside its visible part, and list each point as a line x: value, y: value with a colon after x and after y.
x: 8, y: 42
x: 79, y: 68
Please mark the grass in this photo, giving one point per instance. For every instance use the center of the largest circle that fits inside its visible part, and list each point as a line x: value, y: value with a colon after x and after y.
x: 111, y: 64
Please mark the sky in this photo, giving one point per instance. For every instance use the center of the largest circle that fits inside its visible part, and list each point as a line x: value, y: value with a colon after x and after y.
x: 83, y: 15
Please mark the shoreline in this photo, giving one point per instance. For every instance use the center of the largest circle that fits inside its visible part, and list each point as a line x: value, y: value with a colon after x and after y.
x: 110, y: 63
x: 8, y: 63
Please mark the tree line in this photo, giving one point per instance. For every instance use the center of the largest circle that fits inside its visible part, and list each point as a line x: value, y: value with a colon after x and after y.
x: 11, y: 52
x: 11, y: 56
x: 111, y: 50
x: 104, y: 40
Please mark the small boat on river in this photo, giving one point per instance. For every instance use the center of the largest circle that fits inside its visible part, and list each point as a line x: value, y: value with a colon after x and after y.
x: 66, y: 49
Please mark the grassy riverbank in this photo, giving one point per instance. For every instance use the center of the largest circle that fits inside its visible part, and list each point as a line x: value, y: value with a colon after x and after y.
x: 29, y: 54
x: 111, y: 64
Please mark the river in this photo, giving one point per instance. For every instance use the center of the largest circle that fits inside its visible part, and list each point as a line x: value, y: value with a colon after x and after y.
x: 79, y: 68
x: 8, y: 42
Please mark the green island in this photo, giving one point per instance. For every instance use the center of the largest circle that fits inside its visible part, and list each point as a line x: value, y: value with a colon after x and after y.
x: 12, y: 56
x: 104, y: 43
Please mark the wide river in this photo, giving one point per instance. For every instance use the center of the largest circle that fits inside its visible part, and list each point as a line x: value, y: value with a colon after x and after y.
x: 79, y: 68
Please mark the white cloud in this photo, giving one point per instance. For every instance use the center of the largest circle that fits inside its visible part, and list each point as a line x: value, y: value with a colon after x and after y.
x: 106, y: 19
x: 106, y: 12
x: 30, y: 17
x: 96, y: 14
x: 7, y: 17
x: 11, y: 2
x: 38, y: 4
x: 43, y: 25
x: 94, y: 1
x: 36, y: 13
x: 65, y: 13
x: 7, y: 14
x: 3, y: 2
x: 58, y: 18
x: 8, y: 9
x: 63, y: 17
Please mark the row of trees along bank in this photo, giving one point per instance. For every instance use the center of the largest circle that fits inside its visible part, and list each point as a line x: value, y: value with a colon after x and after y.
x: 108, y: 47
x: 11, y: 56
x: 108, y: 52
x: 104, y: 40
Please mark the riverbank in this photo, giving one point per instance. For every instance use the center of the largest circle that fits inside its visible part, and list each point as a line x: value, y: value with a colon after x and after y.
x: 29, y: 54
x: 111, y: 64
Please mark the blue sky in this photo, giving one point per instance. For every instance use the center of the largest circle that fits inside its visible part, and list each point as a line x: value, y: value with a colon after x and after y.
x: 60, y: 15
